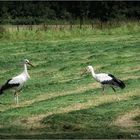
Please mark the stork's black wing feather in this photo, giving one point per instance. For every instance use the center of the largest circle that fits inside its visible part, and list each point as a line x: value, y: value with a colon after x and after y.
x: 7, y: 86
x: 117, y: 81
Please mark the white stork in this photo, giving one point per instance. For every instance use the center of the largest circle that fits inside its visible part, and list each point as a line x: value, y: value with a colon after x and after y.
x: 105, y: 79
x: 17, y: 82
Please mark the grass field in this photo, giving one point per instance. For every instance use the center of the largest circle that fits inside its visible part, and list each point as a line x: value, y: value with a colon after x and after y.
x: 57, y: 101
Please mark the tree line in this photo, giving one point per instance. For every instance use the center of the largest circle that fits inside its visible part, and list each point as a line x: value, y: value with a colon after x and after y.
x: 37, y: 12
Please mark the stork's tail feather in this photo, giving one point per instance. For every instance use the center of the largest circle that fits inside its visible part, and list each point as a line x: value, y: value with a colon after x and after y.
x: 118, y: 82
x: 1, y: 91
x: 4, y: 87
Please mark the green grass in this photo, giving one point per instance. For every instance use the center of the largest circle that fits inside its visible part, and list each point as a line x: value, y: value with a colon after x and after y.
x: 57, y: 101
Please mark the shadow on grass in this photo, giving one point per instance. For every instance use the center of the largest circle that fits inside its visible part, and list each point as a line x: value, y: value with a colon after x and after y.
x: 94, y: 122
x: 91, y: 123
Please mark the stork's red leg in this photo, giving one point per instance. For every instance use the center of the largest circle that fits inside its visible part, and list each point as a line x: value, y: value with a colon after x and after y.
x: 103, y: 87
x: 113, y: 89
x: 16, y: 97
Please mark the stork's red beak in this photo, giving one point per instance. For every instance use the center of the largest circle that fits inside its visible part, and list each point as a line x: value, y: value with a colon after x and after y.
x: 31, y: 64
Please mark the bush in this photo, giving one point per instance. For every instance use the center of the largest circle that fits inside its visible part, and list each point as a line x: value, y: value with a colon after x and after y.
x: 2, y: 31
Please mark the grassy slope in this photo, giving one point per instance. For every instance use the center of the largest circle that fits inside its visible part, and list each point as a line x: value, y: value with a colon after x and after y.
x: 57, y: 102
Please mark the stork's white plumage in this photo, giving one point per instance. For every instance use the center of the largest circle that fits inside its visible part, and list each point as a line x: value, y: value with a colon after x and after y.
x: 106, y: 79
x: 17, y: 82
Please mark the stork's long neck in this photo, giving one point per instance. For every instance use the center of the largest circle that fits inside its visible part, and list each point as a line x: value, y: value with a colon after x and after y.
x: 93, y: 73
x: 25, y: 70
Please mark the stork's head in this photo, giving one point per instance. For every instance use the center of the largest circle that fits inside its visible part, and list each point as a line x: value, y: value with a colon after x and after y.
x: 90, y: 68
x: 26, y: 61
